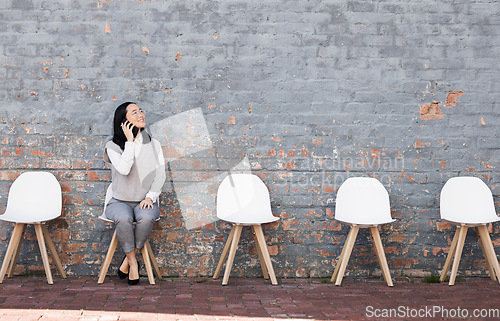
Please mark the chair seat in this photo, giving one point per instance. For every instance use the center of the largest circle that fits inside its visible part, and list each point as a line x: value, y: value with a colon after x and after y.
x: 470, y: 223
x: 17, y: 217
x: 105, y: 219
x: 365, y: 225
x: 250, y: 221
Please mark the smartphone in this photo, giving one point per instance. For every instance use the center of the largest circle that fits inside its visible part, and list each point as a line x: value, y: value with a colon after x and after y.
x: 135, y: 129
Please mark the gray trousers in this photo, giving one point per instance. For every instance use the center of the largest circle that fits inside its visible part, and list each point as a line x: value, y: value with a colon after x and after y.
x: 124, y: 214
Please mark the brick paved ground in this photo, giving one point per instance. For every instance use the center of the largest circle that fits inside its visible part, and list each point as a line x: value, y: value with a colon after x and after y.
x: 80, y: 298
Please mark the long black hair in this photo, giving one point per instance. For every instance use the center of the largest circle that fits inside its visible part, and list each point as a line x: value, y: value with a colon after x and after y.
x: 120, y: 116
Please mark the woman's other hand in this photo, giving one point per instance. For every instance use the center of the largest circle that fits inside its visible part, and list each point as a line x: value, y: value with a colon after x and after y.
x: 127, y: 130
x: 146, y: 203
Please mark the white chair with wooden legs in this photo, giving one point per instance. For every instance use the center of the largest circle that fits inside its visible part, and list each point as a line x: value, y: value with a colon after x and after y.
x: 362, y: 202
x: 147, y: 254
x: 468, y: 202
x: 34, y: 198
x: 243, y: 200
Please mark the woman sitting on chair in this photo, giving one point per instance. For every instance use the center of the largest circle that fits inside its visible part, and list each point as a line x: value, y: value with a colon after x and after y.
x: 138, y: 174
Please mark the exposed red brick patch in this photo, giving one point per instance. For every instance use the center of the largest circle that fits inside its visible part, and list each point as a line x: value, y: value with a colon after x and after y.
x: 391, y: 249
x: 9, y: 175
x: 171, y: 152
x: 317, y: 141
x: 451, y: 100
x: 273, y: 250
x: 441, y: 226
x: 431, y: 111
x: 398, y: 238
x: 419, y: 144
x: 328, y: 189
x: 290, y: 165
x: 402, y: 263
x: 75, y: 247
x: 335, y: 226
x: 41, y: 153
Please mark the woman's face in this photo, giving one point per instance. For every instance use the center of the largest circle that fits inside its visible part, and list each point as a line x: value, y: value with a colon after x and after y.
x: 136, y: 116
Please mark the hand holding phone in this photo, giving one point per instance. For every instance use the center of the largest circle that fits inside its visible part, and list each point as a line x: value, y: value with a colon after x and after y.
x: 127, y: 128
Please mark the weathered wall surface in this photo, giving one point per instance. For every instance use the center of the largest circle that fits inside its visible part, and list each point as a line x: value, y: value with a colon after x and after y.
x: 311, y: 92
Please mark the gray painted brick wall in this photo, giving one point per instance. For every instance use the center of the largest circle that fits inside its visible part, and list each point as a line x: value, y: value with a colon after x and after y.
x: 313, y: 92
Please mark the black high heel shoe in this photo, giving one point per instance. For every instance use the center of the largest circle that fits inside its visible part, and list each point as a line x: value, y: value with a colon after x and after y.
x: 122, y: 275
x: 133, y: 282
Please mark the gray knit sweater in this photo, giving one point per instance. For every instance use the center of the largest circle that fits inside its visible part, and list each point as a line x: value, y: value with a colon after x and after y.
x: 134, y: 186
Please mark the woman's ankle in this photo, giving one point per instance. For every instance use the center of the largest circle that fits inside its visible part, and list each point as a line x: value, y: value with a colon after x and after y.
x: 124, y: 267
x: 133, y: 271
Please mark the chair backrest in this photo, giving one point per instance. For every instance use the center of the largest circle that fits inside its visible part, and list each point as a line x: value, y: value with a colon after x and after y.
x: 244, y: 199
x: 467, y: 200
x: 109, y: 195
x: 33, y: 197
x: 363, y: 201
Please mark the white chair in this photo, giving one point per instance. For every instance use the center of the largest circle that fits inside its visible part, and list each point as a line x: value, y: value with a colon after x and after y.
x: 243, y: 200
x: 468, y: 202
x: 34, y: 198
x: 147, y: 254
x: 362, y: 202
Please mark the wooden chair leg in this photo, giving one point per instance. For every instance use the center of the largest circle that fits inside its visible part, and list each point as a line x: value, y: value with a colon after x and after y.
x: 225, y: 251
x: 379, y: 251
x: 14, y: 240
x: 451, y: 255
x: 259, y: 253
x: 491, y: 271
x: 53, y: 251
x: 341, y: 257
x: 147, y: 262
x: 108, y: 258
x: 349, y: 245
x: 492, y: 257
x: 43, y: 251
x: 232, y: 252
x: 458, y: 253
x: 265, y: 253
x: 153, y: 259
x: 13, y: 261
x: 376, y: 252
